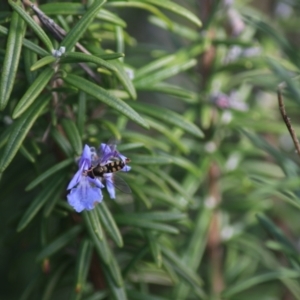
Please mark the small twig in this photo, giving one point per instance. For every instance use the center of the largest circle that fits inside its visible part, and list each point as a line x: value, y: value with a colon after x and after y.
x: 59, y: 34
x: 287, y: 121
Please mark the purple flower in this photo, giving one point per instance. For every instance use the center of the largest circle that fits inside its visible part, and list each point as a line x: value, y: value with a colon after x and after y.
x: 85, y: 191
x: 231, y: 101
x: 109, y: 183
x: 108, y: 152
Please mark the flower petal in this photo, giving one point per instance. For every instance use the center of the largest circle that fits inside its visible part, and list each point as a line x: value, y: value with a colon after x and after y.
x: 104, y: 148
x: 84, y: 196
x: 86, y: 158
x: 96, y: 182
x: 74, y: 200
x: 75, y: 179
x: 110, y: 185
x: 126, y: 169
x: 107, y: 152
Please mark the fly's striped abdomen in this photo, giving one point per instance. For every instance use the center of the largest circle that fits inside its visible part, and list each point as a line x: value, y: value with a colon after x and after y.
x: 114, y: 166
x: 111, y: 167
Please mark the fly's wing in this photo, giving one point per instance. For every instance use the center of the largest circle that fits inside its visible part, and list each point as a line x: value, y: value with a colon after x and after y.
x: 108, y: 152
x: 121, y: 184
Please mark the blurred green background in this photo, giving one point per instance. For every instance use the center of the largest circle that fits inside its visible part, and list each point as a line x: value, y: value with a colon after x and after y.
x: 189, y: 87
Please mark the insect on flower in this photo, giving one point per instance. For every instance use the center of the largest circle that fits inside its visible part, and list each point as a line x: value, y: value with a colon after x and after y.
x: 96, y: 167
x: 106, y: 161
x: 111, y: 167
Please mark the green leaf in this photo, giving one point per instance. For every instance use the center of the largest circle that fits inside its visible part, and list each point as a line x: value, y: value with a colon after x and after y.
x: 4, y: 136
x: 49, y: 173
x: 184, y: 192
x: 82, y: 266
x: 120, y: 42
x: 169, y: 116
x: 169, y: 134
x: 154, y: 247
x: 124, y: 78
x: 114, y: 270
x: 29, y: 44
x: 185, y: 163
x: 33, y: 25
x: 173, y: 90
x: 113, y: 66
x: 137, y: 295
x: 66, y: 8
x: 147, y: 141
x: 81, y: 112
x: 154, y: 178
x: 20, y: 129
x: 135, y: 220
x: 11, y: 59
x: 62, y: 142
x: 27, y: 154
x: 51, y: 205
x: 157, y: 64
x: 54, y: 280
x: 109, y: 223
x: 95, y: 223
x: 117, y: 292
x: 111, y: 126
x: 73, y: 135
x: 162, y: 197
x: 186, y: 272
x: 106, y: 15
x: 276, y: 232
x: 140, y: 195
x: 286, y: 77
x: 141, y: 5
x: 102, y: 95
x: 95, y: 231
x: 110, y: 56
x: 39, y: 201
x: 177, y: 9
x: 69, y: 8
x: 156, y: 216
x: 30, y: 58
x: 194, y: 250
x: 150, y: 160
x: 29, y: 289
x: 33, y: 92
x: 170, y: 270
x: 60, y: 242
x: 257, y: 280
x: 180, y: 29
x: 76, y: 57
x: 164, y: 73
x: 139, y: 254
x: 288, y: 197
x: 78, y: 30
x: 35, y: 48
x: 292, y: 286
x: 272, y: 33
x: 43, y: 62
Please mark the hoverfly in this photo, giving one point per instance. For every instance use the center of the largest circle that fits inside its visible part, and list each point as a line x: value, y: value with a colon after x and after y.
x: 107, y: 160
x: 111, y: 167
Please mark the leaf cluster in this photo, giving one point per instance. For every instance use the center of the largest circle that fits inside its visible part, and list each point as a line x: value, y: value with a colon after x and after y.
x: 215, y: 199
